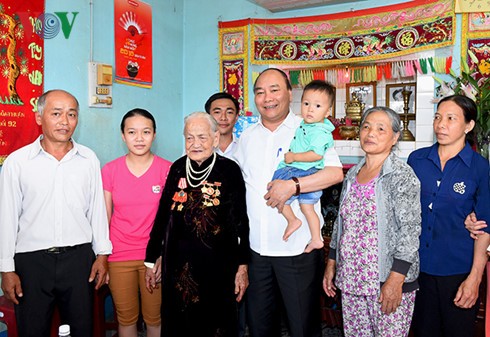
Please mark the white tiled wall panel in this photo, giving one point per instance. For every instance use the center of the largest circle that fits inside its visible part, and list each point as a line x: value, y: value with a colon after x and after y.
x: 421, y: 127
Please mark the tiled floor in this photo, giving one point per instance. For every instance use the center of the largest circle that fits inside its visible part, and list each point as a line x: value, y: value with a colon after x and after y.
x: 327, y: 332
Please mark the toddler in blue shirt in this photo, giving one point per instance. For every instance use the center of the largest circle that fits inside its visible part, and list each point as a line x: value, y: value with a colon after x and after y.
x: 305, y: 156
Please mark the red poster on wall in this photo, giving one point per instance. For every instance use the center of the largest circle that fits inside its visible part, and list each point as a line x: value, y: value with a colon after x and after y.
x: 133, y: 43
x: 21, y: 70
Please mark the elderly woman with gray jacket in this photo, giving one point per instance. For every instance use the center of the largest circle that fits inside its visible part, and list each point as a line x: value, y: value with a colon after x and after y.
x: 374, y: 249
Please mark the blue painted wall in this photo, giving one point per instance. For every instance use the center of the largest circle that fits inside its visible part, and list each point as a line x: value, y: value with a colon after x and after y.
x: 185, y: 64
x: 66, y: 64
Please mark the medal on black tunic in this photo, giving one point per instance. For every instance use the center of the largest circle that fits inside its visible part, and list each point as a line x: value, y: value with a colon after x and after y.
x: 210, y: 193
x: 180, y: 196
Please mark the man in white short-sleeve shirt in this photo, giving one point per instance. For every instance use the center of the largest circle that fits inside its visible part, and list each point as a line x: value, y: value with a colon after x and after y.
x: 278, y: 266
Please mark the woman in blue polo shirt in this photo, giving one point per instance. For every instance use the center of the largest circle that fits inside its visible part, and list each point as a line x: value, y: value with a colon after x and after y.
x: 455, y: 182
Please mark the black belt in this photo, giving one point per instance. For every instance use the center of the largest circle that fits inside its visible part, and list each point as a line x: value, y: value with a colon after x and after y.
x: 59, y: 250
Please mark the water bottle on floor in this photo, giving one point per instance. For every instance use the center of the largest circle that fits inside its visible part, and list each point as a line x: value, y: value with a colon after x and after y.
x: 64, y: 330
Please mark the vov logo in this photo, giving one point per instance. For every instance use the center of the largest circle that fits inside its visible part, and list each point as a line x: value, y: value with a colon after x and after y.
x: 48, y: 25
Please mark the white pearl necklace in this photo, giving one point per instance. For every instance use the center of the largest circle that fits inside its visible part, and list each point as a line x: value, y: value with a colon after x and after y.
x: 199, y: 176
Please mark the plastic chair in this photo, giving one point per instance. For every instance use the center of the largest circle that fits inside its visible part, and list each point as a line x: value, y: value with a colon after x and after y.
x: 7, y: 308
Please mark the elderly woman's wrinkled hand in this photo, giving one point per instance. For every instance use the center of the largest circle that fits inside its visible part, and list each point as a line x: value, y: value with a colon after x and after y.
x: 391, y: 293
x: 328, y: 277
x: 474, y: 226
x: 157, y: 269
x: 153, y: 276
x: 241, y: 282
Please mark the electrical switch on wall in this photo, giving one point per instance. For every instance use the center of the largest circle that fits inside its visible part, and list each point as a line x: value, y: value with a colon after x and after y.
x: 99, y: 85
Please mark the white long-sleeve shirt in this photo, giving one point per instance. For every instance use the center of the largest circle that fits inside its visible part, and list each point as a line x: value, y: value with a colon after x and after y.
x: 49, y: 203
x: 258, y: 153
x: 230, y: 150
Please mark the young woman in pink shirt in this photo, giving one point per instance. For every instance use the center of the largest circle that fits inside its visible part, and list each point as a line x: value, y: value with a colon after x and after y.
x: 132, y: 188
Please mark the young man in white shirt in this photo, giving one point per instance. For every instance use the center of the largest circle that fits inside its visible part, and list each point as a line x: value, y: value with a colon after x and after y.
x: 278, y: 267
x: 54, y: 234
x: 224, y: 108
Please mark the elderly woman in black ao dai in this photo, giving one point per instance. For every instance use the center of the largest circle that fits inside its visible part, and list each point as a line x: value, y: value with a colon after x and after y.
x: 203, y: 225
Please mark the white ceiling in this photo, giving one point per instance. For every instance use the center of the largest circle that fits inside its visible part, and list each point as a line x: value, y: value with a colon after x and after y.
x: 286, y: 5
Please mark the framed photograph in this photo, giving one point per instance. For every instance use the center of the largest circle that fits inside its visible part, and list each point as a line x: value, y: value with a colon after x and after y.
x: 365, y: 91
x: 394, y: 96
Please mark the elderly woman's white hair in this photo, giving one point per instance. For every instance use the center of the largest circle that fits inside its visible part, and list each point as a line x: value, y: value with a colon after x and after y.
x: 392, y: 115
x: 199, y: 114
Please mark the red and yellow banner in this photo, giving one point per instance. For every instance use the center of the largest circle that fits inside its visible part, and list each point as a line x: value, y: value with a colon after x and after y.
x: 133, y: 43
x: 473, y: 6
x: 21, y: 69
x: 234, y: 63
x: 476, y: 37
x: 365, y: 35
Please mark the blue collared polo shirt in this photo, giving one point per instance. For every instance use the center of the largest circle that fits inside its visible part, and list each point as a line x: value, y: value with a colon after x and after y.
x: 447, y: 197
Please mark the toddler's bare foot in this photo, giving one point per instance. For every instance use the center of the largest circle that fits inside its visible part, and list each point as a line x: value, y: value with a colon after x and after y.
x: 291, y: 228
x: 314, y: 244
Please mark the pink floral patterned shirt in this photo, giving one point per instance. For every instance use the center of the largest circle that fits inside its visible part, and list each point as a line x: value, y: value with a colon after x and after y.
x: 357, y: 263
